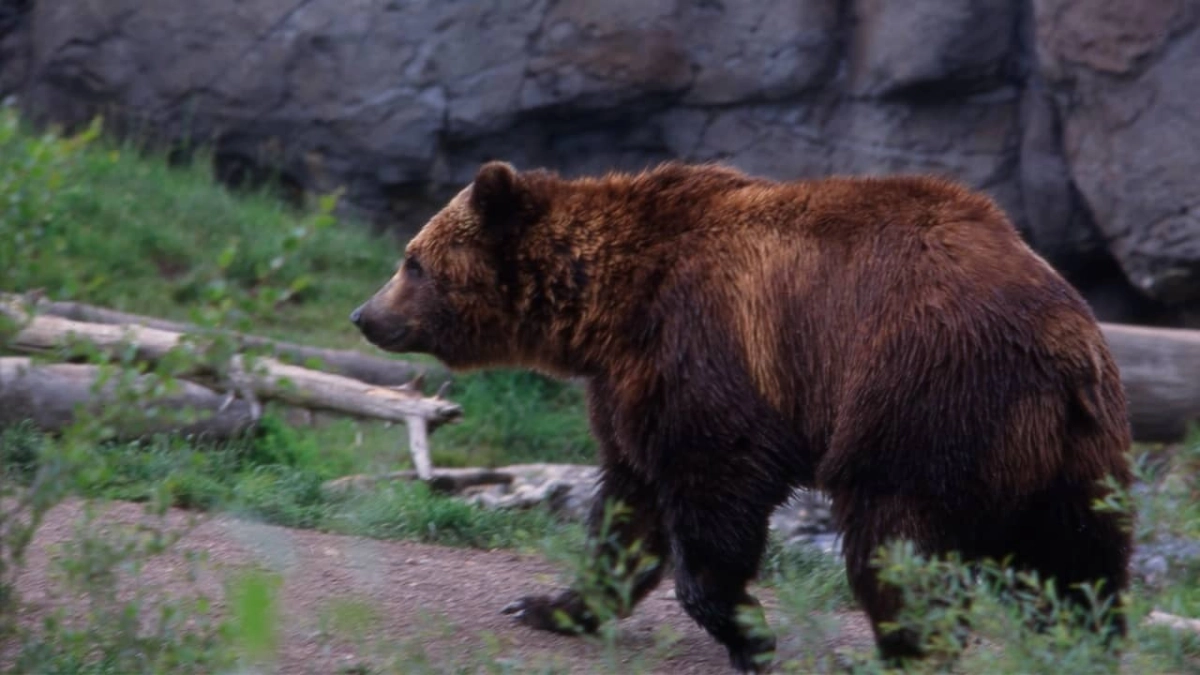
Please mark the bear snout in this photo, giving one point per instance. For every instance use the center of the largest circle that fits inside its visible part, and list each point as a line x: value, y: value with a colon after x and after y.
x: 386, y: 331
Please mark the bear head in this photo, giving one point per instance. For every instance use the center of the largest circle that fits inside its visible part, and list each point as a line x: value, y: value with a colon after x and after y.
x: 470, y: 290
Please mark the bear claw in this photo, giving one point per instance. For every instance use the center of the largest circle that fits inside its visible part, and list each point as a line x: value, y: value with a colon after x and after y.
x: 516, y: 608
x: 562, y: 614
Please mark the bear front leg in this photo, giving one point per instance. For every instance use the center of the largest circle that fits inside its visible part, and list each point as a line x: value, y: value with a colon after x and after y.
x: 627, y: 552
x: 718, y: 551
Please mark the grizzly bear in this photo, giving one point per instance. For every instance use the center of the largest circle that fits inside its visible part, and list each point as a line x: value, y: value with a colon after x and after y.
x: 888, y: 340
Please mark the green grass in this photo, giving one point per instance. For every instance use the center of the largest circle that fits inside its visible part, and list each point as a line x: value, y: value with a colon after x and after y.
x: 277, y: 478
x: 128, y: 231
x: 519, y: 417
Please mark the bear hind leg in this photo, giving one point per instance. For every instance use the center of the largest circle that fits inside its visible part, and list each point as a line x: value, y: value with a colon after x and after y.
x: 633, y: 541
x: 1062, y: 537
x: 868, y: 523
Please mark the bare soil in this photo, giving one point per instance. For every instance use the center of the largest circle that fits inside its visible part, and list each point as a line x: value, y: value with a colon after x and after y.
x: 419, y: 608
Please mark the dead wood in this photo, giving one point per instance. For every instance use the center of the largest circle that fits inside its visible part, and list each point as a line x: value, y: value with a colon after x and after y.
x: 51, y: 395
x: 265, y: 377
x: 1160, y: 368
x: 1179, y: 623
x: 349, y: 363
x: 451, y: 480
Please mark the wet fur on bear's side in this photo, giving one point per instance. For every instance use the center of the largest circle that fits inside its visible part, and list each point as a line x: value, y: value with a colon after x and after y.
x: 890, y: 341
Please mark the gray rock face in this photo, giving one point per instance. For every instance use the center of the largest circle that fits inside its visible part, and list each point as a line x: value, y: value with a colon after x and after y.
x: 1076, y: 115
x: 901, y: 47
x: 14, y: 43
x: 1126, y: 73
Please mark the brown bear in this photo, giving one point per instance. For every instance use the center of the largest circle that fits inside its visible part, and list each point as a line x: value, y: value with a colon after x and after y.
x: 889, y: 340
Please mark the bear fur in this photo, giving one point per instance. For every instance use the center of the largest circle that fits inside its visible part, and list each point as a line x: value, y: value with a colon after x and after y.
x: 890, y: 340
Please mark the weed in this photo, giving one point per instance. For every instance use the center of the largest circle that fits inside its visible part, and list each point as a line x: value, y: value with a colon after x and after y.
x: 110, y: 620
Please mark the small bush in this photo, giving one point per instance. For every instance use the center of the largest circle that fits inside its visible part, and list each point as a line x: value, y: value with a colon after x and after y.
x: 515, y: 416
x: 280, y: 495
x: 20, y: 448
x: 106, y: 621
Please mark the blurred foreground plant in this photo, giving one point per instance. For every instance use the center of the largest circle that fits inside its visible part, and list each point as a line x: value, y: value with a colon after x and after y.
x: 111, y: 626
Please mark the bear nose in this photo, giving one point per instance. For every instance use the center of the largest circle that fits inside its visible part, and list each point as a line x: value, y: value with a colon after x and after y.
x: 356, y: 316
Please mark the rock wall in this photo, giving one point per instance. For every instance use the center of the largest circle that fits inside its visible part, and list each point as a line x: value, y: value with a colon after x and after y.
x: 1077, y: 115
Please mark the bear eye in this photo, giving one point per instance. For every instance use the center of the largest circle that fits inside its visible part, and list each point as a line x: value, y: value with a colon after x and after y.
x: 412, y: 267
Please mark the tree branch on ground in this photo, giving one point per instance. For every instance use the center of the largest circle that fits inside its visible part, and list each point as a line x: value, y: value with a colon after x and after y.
x: 364, y: 367
x: 261, y: 377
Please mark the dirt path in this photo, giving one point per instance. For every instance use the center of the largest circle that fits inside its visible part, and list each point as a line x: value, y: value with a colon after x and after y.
x: 406, y: 600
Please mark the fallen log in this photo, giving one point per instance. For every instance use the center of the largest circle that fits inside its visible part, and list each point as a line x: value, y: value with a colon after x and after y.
x: 51, y: 396
x: 1172, y: 621
x: 263, y: 377
x: 449, y: 480
x: 313, y: 389
x: 567, y: 489
x: 370, y: 369
x: 1160, y: 368
x: 268, y: 377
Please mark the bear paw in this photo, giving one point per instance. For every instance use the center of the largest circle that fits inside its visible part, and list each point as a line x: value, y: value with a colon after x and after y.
x: 565, y: 613
x: 754, y: 655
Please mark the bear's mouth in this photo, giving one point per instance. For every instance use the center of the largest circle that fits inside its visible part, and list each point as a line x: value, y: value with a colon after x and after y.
x: 399, y: 339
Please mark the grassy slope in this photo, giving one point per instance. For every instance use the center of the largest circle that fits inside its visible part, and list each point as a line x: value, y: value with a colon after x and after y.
x: 103, y: 223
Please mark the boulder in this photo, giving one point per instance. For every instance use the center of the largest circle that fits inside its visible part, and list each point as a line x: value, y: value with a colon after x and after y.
x: 1124, y: 75
x: 933, y: 46
x: 14, y: 44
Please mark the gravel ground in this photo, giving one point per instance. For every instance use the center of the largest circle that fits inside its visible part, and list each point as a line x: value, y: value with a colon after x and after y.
x: 442, y: 602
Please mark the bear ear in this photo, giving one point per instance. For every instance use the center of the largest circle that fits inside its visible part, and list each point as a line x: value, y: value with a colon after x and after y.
x: 495, y: 193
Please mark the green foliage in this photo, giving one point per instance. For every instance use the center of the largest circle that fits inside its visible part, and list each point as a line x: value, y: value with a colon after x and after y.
x: 254, y: 596
x: 515, y: 416
x: 278, y: 494
x: 277, y: 443
x: 804, y: 576
x: 277, y: 477
x: 1018, y: 623
x: 97, y: 221
x: 37, y: 175
x: 413, y: 511
x: 106, y: 623
x: 943, y: 596
x: 20, y: 448
x: 604, y: 570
